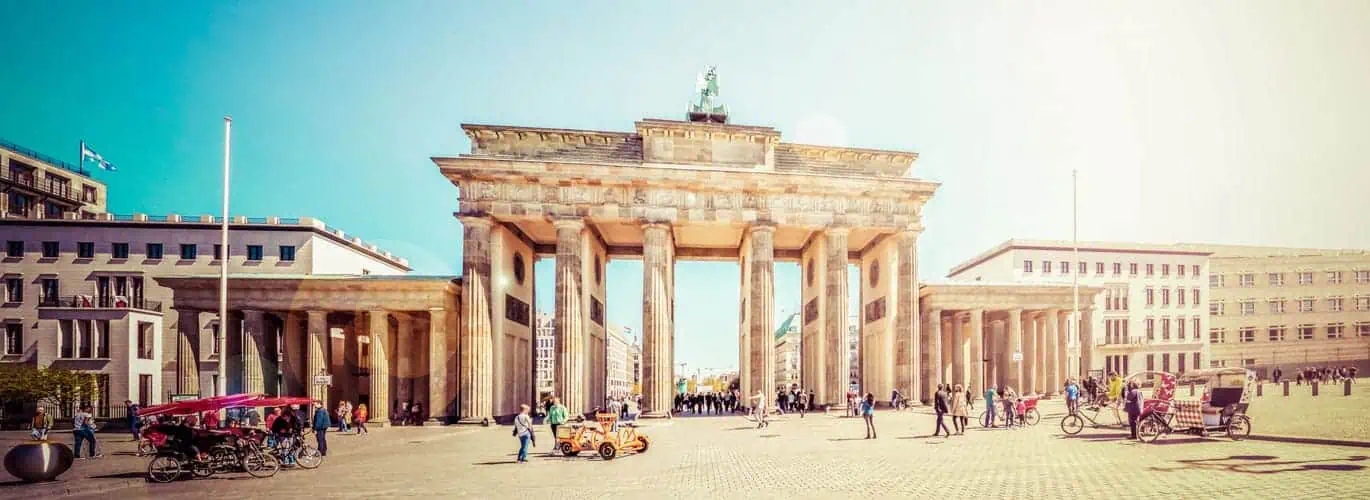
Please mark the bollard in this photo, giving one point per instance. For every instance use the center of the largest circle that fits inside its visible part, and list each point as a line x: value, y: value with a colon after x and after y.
x: 1191, y: 388
x: 1315, y: 388
x: 1286, y: 388
x: 1346, y: 391
x: 1260, y: 390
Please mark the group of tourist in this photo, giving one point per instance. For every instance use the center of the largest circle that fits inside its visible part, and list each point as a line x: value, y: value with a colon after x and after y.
x: 705, y: 403
x: 353, y: 418
x: 1323, y: 375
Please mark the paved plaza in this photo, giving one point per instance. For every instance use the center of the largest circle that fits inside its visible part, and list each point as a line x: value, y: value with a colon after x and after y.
x: 817, y: 456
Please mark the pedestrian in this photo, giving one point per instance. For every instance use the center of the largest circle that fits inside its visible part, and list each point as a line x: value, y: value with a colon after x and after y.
x: 344, y: 415
x: 759, y: 409
x: 42, y: 423
x: 1009, y: 399
x: 959, y: 414
x: 556, y: 416
x: 83, y: 429
x: 523, y: 430
x: 131, y: 416
x: 321, y: 425
x: 272, y: 416
x: 285, y: 428
x: 1134, y: 406
x: 359, y: 416
x: 803, y: 403
x: 941, y: 405
x: 868, y: 413
x: 1276, y: 375
x: 1072, y: 396
x: 989, y: 407
x: 210, y: 420
x: 416, y: 413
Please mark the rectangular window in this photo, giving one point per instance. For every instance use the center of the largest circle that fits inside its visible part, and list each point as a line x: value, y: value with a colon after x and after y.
x: 1065, y: 267
x: 1046, y: 267
x: 189, y: 251
x: 1165, y: 362
x: 1165, y: 297
x: 1132, y: 269
x: 218, y: 251
x: 86, y: 340
x: 1363, y: 329
x: 14, y: 249
x: 1335, y: 330
x: 1216, y: 281
x: 144, y: 389
x: 1248, y: 307
x: 1150, y: 297
x: 254, y: 252
x: 1305, y: 332
x: 14, y: 290
x: 1165, y: 270
x: 1247, y: 334
x: 1334, y: 304
x: 1150, y: 362
x: 49, y: 290
x: 1179, y: 270
x: 1195, y: 294
x: 118, y: 250
x: 214, y: 338
x: 1216, y: 335
x: 1150, y: 329
x: 1194, y: 269
x: 1027, y: 266
x: 1179, y: 296
x: 287, y: 253
x: 1150, y: 270
x: 14, y: 338
x: 1215, y: 308
x: 154, y: 251
x: 1363, y: 303
x: 66, y: 339
x: 1196, y: 361
x: 1179, y: 328
x: 85, y: 250
x: 1117, y: 269
x: 1334, y: 277
x: 51, y: 249
x: 1180, y: 362
x: 1276, y: 306
x: 1276, y: 334
x: 1197, y: 327
x: 102, y: 333
x: 1362, y: 277
x: 1305, y: 277
x: 1165, y: 329
x: 1306, y: 305
x: 1248, y: 280
x: 145, y: 343
x: 1276, y: 279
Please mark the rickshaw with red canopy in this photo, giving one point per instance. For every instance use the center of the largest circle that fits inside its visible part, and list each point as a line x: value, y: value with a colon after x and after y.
x: 1221, y: 408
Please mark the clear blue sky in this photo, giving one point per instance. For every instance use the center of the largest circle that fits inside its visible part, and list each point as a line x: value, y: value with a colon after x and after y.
x: 1230, y: 122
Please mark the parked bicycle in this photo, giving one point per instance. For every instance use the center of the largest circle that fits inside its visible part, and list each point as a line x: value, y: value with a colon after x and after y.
x: 294, y: 447
x: 1073, y: 423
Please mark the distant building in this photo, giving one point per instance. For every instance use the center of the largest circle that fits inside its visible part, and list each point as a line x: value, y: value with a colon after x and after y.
x: 854, y: 353
x: 545, y: 355
x: 787, y: 352
x: 619, y: 368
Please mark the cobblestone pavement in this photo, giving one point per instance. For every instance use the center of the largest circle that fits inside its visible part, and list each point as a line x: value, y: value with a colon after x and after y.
x: 818, y: 456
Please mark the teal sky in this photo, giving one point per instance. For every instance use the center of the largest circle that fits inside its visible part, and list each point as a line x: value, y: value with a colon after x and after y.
x: 1229, y: 122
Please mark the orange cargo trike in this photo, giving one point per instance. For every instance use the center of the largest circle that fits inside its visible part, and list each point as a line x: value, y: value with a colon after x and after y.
x: 604, y: 435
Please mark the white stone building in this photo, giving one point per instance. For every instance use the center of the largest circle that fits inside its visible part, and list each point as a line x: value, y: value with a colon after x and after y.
x: 787, y: 352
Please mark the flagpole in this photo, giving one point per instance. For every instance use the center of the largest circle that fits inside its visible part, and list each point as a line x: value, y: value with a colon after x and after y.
x: 221, y: 389
x: 1075, y: 276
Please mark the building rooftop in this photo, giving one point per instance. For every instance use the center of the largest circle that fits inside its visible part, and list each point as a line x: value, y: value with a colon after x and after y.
x: 1223, y: 251
x: 1084, y: 246
x: 34, y: 155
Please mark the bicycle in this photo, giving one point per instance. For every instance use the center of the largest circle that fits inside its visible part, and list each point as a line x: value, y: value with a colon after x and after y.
x: 306, y: 456
x: 1073, y: 423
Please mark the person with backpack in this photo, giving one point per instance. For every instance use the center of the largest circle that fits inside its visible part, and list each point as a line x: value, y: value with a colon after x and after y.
x: 1133, y: 403
x: 83, y: 429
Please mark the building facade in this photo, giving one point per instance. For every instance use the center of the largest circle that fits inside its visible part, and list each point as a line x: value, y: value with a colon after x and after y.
x: 1288, y: 307
x: 787, y: 353
x: 546, y: 343
x: 619, y: 383
x: 1152, y: 314
x: 36, y: 186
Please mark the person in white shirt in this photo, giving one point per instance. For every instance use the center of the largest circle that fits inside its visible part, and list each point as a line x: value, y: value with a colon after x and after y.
x: 759, y: 408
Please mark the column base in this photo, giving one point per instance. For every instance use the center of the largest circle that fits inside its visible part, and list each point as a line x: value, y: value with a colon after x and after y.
x: 435, y: 422
x: 378, y: 423
x: 653, y: 414
x: 483, y: 421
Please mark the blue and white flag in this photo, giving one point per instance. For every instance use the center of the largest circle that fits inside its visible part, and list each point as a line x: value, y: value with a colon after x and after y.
x: 89, y: 155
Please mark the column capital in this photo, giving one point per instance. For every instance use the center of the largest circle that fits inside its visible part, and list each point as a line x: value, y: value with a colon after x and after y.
x: 475, y: 219
x: 313, y: 314
x: 656, y: 225
x: 910, y: 232
x: 252, y: 313
x: 575, y: 223
x: 761, y: 227
x: 837, y: 230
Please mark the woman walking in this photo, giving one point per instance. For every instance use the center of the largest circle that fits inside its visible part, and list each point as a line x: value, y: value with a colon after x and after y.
x: 556, y: 416
x: 959, y: 413
x: 523, y: 430
x: 868, y: 413
x: 359, y: 419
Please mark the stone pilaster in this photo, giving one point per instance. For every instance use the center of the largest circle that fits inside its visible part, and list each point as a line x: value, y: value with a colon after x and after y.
x: 570, y: 333
x: 1086, y: 341
x: 762, y: 303
x: 316, y: 362
x: 187, y: 356
x: 1015, y: 346
x: 437, y: 366
x: 404, y: 356
x: 378, y: 332
x: 907, y: 376
x: 1053, y: 377
x: 932, y: 372
x: 1062, y: 341
x: 1031, y: 369
x: 976, y: 371
x: 959, y: 345
x: 294, y: 373
x: 834, y: 309
x: 477, y: 350
x: 254, y: 342
x: 657, y: 297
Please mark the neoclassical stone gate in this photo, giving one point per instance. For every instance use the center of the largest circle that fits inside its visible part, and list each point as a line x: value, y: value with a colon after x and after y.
x: 675, y: 190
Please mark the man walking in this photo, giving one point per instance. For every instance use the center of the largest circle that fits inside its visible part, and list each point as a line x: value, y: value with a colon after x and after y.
x: 1134, y: 406
x: 321, y: 424
x: 1072, y: 396
x: 941, y: 405
x: 83, y: 429
x: 134, y: 425
x: 990, y: 410
x: 556, y: 415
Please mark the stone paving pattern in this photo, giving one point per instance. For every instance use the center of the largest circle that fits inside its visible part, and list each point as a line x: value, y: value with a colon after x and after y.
x: 817, y: 456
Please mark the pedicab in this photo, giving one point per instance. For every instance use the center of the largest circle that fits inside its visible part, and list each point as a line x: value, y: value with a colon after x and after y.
x: 1221, y: 408
x: 604, y: 436
x: 206, y: 452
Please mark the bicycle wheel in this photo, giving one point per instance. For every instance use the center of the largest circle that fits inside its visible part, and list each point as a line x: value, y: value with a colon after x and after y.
x: 1150, y: 430
x: 984, y: 419
x: 308, y: 457
x: 1032, y: 417
x: 1239, y: 428
x: 260, y: 464
x: 163, y: 469
x: 1072, y: 424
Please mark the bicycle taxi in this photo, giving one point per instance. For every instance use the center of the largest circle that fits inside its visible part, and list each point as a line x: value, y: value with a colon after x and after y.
x: 605, y: 435
x: 1221, y: 408
x: 204, y: 452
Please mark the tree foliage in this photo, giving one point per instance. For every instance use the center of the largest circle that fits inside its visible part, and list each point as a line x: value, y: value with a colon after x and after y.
x: 54, y: 386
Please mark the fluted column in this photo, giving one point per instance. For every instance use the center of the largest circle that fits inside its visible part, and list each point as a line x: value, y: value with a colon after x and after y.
x: 477, y: 354
x: 657, y: 328
x: 570, y: 333
x: 254, y: 380
x: 1086, y: 341
x: 293, y: 371
x: 1053, y: 377
x: 933, y: 371
x: 437, y: 366
x: 958, y: 349
x: 378, y: 332
x: 187, y: 356
x: 976, y: 370
x: 907, y: 372
x: 404, y: 365
x: 1062, y: 341
x: 317, y: 361
x: 1031, y: 369
x: 1015, y: 348
x: 762, y: 303
x: 835, y: 300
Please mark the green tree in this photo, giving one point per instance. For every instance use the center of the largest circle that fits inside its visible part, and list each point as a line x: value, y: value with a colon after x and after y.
x: 54, y: 386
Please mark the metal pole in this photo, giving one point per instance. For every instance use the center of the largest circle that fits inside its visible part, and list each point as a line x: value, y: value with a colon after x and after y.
x: 222, y: 388
x: 1075, y: 276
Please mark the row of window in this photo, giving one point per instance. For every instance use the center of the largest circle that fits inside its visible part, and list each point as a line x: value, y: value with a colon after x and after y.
x: 1116, y: 330
x: 1082, y: 268
x: 107, y: 288
x: 1279, y: 305
x: 1280, y: 333
x: 1119, y: 363
x: 153, y: 251
x: 1165, y: 297
x: 1248, y: 280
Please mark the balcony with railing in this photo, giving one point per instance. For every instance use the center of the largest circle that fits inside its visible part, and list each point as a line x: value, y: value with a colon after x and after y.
x: 43, y: 158
x: 99, y: 302
x: 16, y: 176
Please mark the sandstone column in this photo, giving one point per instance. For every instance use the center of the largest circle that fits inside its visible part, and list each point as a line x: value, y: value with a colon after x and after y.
x: 378, y: 332
x: 1086, y: 341
x: 570, y: 334
x: 907, y: 375
x: 187, y: 356
x: 317, y: 362
x: 437, y: 367
x: 933, y: 370
x: 977, y: 352
x: 835, y: 297
x: 254, y: 381
x: 477, y: 351
x: 404, y: 365
x: 1031, y: 370
x: 1053, y: 378
x: 1062, y: 341
x: 958, y: 348
x: 293, y: 372
x: 1015, y: 349
x: 657, y: 329
x: 762, y: 303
